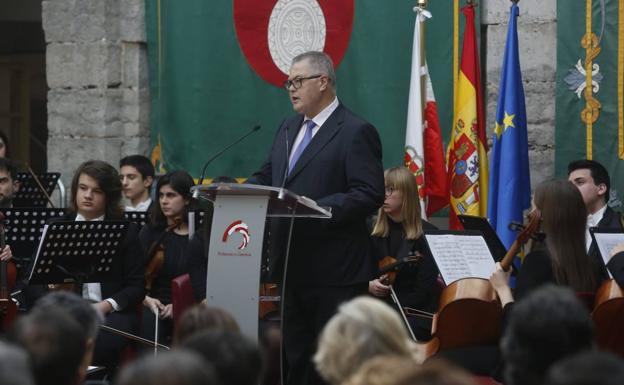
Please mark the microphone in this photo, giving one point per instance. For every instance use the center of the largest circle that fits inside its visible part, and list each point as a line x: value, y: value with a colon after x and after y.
x: 215, y: 156
x: 282, y: 194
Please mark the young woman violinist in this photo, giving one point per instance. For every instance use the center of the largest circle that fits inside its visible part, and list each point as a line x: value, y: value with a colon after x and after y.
x: 165, y: 239
x: 398, y: 232
x: 561, y: 258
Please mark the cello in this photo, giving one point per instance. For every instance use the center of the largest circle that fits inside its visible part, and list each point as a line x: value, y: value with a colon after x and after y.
x: 8, y: 273
x: 470, y: 312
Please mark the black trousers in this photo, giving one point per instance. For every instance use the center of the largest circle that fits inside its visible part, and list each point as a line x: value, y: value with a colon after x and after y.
x: 306, y: 311
x: 109, y: 346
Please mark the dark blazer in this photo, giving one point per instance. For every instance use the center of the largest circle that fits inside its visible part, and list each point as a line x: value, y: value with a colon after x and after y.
x: 616, y: 267
x: 415, y: 281
x: 128, y: 287
x: 610, y: 220
x: 341, y: 168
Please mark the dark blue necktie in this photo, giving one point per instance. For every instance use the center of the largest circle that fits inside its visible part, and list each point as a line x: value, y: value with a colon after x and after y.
x: 307, y: 137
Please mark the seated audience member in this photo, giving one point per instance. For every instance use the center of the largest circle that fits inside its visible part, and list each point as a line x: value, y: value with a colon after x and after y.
x: 398, y: 233
x: 548, y: 325
x: 381, y: 370
x: 198, y: 249
x: 80, y: 310
x: 587, y: 368
x: 136, y: 173
x: 165, y: 238
x: 14, y: 366
x: 362, y: 328
x: 435, y: 372
x: 179, y: 367
x: 56, y: 345
x: 9, y: 185
x: 96, y: 196
x: 235, y: 358
x: 202, y: 317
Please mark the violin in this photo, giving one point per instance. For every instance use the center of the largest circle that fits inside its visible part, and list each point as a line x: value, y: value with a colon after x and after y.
x: 608, y: 317
x: 8, y: 273
x: 156, y: 254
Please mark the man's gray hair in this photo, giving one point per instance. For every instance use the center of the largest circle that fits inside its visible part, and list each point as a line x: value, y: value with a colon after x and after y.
x: 320, y: 62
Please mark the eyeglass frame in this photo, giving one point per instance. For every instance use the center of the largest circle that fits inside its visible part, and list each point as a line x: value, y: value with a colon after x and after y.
x: 288, y: 82
x: 389, y: 190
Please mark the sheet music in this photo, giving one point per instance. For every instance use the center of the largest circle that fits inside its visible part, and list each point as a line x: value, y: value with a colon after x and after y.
x: 606, y: 242
x: 461, y: 256
x: 34, y: 264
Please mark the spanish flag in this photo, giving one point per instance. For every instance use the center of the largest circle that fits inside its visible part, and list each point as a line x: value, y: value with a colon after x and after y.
x: 467, y: 151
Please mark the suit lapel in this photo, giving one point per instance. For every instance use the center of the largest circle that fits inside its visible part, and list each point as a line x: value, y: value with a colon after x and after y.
x: 327, y: 131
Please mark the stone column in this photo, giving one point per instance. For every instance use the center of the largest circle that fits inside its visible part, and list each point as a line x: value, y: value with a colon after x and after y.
x: 537, y: 39
x: 98, y: 99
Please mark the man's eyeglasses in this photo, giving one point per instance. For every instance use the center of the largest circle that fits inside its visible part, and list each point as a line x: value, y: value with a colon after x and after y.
x: 389, y: 191
x: 296, y: 83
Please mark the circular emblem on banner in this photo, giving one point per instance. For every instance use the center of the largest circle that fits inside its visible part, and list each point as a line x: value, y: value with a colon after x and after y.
x: 271, y: 33
x: 296, y: 26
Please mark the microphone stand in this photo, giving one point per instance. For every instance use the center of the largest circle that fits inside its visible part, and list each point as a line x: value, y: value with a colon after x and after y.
x: 215, y: 156
x: 282, y: 193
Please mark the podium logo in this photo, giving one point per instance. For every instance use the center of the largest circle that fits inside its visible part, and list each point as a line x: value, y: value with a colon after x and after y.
x: 237, y: 227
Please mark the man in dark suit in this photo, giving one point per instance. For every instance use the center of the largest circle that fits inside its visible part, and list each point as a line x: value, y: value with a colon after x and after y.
x: 330, y: 155
x: 592, y: 180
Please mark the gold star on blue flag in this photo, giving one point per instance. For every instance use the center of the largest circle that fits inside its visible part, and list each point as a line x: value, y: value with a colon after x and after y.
x: 510, y: 187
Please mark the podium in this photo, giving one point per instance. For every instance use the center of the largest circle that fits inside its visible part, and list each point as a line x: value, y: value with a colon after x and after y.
x: 235, y: 251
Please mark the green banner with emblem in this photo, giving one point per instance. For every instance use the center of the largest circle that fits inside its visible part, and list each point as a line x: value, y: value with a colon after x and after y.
x: 590, y: 87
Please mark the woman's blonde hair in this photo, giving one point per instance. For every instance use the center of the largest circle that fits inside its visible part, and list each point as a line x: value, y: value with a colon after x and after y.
x: 401, y: 179
x: 363, y: 328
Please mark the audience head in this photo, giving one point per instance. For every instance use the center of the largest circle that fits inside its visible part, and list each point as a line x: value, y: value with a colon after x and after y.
x: 361, y: 329
x: 14, y: 366
x: 174, y: 198
x: 235, y: 358
x: 563, y: 221
x: 55, y: 343
x: 546, y: 326
x: 381, y: 370
x: 592, y: 180
x: 96, y: 191
x: 137, y: 174
x: 402, y: 204
x: 202, y: 317
x: 311, y: 83
x: 435, y: 372
x: 4, y: 145
x: 587, y: 368
x: 80, y: 310
x: 179, y: 367
x: 9, y: 185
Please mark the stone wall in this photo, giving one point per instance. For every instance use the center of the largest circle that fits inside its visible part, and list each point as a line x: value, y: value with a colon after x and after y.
x: 537, y: 40
x: 98, y: 99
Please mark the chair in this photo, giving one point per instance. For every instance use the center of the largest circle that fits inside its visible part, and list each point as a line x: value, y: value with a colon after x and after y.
x: 182, y: 296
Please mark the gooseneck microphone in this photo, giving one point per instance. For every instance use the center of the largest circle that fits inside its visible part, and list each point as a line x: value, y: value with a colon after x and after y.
x: 282, y: 193
x: 215, y: 156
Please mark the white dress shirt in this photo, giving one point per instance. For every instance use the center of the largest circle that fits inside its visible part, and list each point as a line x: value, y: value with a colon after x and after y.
x: 592, y: 221
x: 93, y: 291
x: 318, y: 120
x: 143, y: 206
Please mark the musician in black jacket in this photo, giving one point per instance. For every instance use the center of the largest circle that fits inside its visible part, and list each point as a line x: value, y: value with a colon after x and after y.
x: 398, y: 233
x: 96, y: 196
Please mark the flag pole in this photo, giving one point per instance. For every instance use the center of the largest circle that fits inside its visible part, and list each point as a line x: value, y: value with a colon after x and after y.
x: 421, y: 5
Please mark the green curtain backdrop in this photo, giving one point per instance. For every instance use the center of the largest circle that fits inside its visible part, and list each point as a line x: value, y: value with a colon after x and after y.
x: 205, y: 94
x: 589, y: 121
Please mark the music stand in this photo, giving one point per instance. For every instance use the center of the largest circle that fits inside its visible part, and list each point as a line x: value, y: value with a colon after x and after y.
x: 23, y: 227
x: 481, y: 224
x: 30, y: 194
x: 78, y: 252
x: 138, y: 217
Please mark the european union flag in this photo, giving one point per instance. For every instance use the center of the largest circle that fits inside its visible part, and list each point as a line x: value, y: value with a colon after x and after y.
x: 510, y: 186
